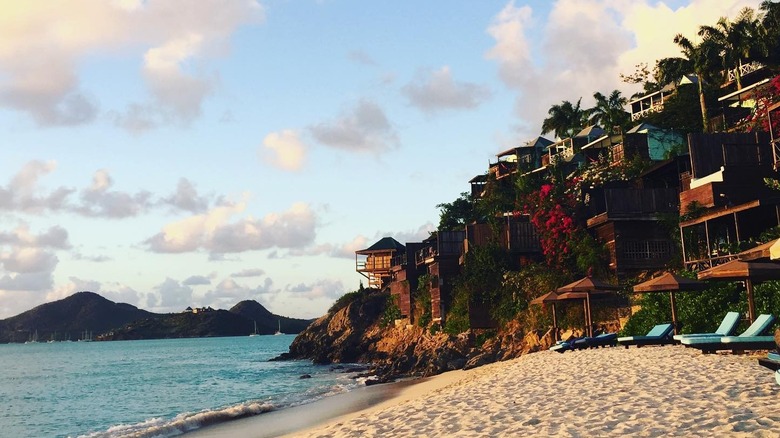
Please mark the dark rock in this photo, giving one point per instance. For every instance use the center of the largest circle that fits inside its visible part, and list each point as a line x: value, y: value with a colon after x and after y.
x: 479, y: 360
x: 305, y: 376
x: 281, y: 357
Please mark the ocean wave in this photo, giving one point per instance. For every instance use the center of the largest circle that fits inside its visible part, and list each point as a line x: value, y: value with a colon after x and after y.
x: 187, y: 422
x: 162, y: 428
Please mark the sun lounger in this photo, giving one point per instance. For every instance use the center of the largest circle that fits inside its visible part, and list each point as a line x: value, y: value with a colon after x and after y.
x: 750, y: 339
x: 771, y: 361
x: 564, y: 346
x: 726, y: 328
x: 602, y: 340
x: 658, y: 335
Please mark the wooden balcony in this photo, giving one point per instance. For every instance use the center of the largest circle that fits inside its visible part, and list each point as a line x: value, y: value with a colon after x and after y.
x: 630, y: 203
x: 446, y: 244
x: 514, y: 236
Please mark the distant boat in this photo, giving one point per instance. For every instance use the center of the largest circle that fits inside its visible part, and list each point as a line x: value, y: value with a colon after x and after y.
x: 255, y: 333
x: 279, y: 330
x: 87, y: 337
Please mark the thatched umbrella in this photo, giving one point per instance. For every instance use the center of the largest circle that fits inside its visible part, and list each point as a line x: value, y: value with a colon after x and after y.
x: 549, y: 298
x: 747, y: 271
x: 583, y: 289
x: 671, y: 282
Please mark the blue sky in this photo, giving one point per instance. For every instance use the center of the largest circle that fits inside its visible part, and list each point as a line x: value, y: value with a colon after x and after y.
x: 171, y: 154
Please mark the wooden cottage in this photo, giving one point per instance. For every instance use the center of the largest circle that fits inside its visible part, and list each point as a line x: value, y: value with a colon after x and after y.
x: 375, y: 262
x: 515, y: 234
x: 651, y: 102
x: 404, y: 275
x: 725, y: 200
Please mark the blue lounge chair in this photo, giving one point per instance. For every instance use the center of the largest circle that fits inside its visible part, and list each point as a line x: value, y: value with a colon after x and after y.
x: 564, y: 346
x: 602, y: 340
x: 750, y: 339
x: 726, y: 328
x: 771, y: 361
x: 658, y: 335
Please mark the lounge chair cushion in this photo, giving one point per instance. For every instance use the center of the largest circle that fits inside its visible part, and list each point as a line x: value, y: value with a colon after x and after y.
x: 726, y: 328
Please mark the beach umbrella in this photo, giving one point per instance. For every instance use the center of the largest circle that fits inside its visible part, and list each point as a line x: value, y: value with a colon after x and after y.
x: 549, y: 298
x: 670, y: 282
x: 764, y: 252
x: 748, y: 271
x: 584, y: 289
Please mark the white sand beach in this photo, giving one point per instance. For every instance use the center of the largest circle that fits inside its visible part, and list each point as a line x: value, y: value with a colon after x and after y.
x: 650, y: 391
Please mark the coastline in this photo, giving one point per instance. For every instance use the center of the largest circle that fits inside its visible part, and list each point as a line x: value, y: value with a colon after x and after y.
x: 650, y: 391
x: 295, y: 420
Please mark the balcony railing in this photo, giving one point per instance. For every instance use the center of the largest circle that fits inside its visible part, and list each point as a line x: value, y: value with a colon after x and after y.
x: 744, y: 69
x: 655, y: 107
x: 449, y: 243
x: 629, y: 202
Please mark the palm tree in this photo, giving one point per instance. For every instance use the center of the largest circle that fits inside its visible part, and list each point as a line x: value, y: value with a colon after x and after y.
x: 699, y: 59
x: 771, y: 25
x: 565, y: 119
x: 609, y: 111
x: 738, y: 40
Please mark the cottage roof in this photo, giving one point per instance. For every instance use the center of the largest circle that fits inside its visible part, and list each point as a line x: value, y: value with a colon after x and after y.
x: 600, y: 142
x: 384, y: 244
x: 642, y: 128
x: 479, y: 178
x: 591, y: 131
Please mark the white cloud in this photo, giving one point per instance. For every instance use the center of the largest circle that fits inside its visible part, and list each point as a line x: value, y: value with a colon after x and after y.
x: 186, y: 198
x: 512, y: 50
x: 23, y: 192
x: 99, y: 201
x: 54, y: 237
x: 438, y: 91
x: 248, y: 273
x: 284, y: 150
x: 327, y: 288
x: 42, y: 44
x: 174, y: 295
x: 363, y: 128
x: 211, y: 231
x: 196, y: 280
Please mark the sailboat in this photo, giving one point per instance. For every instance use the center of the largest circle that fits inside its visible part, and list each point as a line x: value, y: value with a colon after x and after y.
x: 255, y: 333
x: 279, y: 330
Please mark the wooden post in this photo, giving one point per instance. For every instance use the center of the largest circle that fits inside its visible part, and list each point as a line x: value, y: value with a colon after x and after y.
x: 555, y: 324
x: 707, y: 236
x: 590, y: 318
x: 674, y: 312
x: 751, y: 302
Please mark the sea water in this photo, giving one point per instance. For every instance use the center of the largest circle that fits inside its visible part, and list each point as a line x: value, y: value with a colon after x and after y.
x: 153, y: 388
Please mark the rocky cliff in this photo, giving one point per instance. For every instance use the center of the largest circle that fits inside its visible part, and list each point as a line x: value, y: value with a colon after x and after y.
x: 355, y: 334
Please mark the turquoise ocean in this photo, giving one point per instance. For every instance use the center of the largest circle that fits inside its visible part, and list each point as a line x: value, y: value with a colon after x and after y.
x: 153, y: 388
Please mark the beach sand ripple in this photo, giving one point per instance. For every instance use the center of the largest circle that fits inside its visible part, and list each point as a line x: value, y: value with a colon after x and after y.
x: 645, y: 392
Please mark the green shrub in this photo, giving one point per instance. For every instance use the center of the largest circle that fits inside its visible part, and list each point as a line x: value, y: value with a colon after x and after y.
x: 345, y: 300
x: 422, y: 301
x: 391, y: 312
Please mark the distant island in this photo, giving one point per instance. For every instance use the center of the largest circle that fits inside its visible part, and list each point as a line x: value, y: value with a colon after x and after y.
x: 89, y: 316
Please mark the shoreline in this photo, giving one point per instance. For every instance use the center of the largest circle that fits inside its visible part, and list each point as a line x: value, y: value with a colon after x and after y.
x: 294, y: 420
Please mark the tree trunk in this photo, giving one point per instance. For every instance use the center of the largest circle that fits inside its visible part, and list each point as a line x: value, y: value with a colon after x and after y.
x: 704, y: 115
x: 738, y: 75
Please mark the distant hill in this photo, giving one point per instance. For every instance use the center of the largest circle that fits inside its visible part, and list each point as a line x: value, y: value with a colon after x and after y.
x: 70, y: 317
x: 267, y: 322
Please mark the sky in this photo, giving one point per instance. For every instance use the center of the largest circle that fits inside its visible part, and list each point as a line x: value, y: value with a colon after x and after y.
x: 175, y: 153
